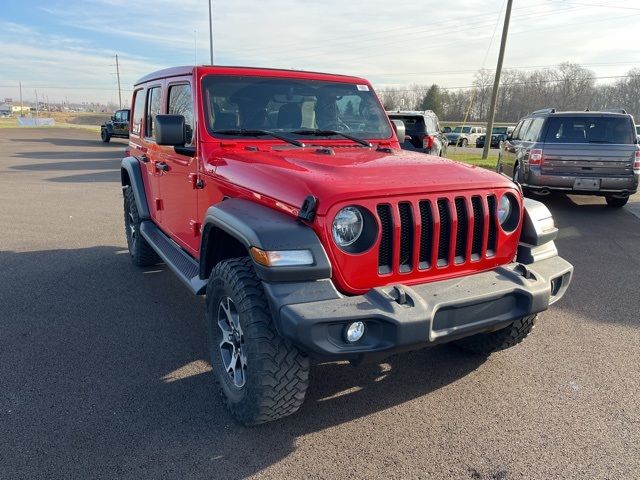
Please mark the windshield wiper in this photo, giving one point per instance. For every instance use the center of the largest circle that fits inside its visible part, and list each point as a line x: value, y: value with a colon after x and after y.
x: 327, y: 133
x: 258, y: 133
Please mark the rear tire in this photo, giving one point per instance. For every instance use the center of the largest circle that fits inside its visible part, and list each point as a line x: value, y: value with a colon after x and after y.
x: 465, y: 142
x: 487, y: 343
x: 142, y: 254
x: 104, y: 135
x: 261, y: 375
x: 616, y: 202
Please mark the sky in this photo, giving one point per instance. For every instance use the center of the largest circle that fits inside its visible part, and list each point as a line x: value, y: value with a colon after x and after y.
x: 65, y: 49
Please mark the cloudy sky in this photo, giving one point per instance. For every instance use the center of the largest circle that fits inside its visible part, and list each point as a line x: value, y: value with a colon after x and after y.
x: 66, y: 48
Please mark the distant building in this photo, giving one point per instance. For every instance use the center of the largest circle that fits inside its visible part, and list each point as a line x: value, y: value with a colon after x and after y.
x: 17, y: 110
x: 5, y: 109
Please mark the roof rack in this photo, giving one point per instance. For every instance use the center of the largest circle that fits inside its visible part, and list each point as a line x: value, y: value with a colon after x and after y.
x: 544, y: 110
x: 615, y: 110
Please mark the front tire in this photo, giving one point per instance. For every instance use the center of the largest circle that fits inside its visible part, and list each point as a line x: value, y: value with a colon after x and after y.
x: 616, y: 202
x: 142, y: 254
x: 487, y: 343
x: 261, y: 375
x: 104, y: 135
x: 464, y: 142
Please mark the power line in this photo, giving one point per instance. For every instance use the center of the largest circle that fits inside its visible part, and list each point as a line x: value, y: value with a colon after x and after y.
x: 536, y: 82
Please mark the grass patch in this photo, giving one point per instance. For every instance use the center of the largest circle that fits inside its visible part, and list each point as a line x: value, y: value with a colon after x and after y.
x: 473, y: 159
x: 12, y: 122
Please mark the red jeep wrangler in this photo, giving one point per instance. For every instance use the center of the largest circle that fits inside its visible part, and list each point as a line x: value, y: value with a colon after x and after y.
x: 284, y: 197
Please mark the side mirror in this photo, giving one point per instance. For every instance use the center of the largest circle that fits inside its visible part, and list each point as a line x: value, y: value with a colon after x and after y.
x: 399, y: 128
x: 113, y: 118
x: 509, y: 135
x: 170, y: 130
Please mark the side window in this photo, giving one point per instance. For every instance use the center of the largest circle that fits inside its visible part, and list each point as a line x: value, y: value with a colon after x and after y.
x: 534, y: 130
x: 154, y: 106
x: 138, y: 112
x: 181, y: 103
x: 117, y: 116
x: 523, y: 129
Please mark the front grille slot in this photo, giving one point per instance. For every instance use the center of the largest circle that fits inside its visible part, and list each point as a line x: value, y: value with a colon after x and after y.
x: 478, y: 228
x: 461, y: 230
x: 406, y: 237
x: 426, y: 235
x: 445, y: 232
x: 418, y: 235
x: 385, y: 249
x: 492, y: 238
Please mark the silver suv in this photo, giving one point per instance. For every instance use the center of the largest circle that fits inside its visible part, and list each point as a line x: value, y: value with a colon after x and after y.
x: 589, y: 153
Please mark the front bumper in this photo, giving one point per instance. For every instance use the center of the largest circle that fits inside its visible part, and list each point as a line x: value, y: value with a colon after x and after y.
x: 399, y: 317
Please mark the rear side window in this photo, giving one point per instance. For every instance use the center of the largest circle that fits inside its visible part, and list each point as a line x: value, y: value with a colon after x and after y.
x: 534, y: 130
x: 138, y: 112
x: 585, y: 129
x: 181, y: 103
x: 519, y: 135
x: 154, y: 106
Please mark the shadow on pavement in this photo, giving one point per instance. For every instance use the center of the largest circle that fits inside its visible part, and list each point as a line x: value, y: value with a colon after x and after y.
x: 76, y: 142
x: 105, y: 370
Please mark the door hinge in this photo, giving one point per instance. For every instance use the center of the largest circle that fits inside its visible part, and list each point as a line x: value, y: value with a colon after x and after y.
x: 196, y: 182
x: 195, y: 227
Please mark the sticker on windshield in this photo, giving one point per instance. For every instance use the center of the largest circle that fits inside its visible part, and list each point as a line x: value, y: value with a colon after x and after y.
x: 363, y: 88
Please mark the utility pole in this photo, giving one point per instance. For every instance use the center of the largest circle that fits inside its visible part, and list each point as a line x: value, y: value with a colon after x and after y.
x: 37, y: 110
x: 21, y: 105
x: 210, y: 34
x: 118, y: 75
x: 496, y: 82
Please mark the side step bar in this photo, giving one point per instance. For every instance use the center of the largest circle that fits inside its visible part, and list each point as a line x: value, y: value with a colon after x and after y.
x: 185, y: 267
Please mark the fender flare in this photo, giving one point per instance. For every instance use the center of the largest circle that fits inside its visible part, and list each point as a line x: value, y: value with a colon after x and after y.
x: 255, y: 225
x: 131, y: 165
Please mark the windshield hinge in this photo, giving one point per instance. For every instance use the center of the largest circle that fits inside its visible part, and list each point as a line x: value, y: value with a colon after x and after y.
x: 308, y: 209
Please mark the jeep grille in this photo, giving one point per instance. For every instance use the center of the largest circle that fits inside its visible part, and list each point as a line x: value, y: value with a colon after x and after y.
x: 441, y: 232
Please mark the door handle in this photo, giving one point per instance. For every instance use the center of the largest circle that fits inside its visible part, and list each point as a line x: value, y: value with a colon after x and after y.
x: 144, y: 158
x: 162, y: 166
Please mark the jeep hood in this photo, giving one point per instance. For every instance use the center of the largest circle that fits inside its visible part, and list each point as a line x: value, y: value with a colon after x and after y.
x: 348, y: 173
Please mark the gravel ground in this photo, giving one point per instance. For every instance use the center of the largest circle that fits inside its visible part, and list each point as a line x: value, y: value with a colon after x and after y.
x: 104, y: 373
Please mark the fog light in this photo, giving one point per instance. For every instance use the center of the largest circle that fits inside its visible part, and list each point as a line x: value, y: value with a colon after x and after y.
x: 354, y: 332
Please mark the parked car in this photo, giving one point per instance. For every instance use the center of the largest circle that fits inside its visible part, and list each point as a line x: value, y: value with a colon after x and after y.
x: 422, y: 132
x: 464, y: 135
x: 590, y: 153
x: 117, y: 126
x: 284, y: 197
x: 498, y: 135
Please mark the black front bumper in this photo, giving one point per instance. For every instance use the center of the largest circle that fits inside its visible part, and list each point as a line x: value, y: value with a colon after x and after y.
x: 399, y: 317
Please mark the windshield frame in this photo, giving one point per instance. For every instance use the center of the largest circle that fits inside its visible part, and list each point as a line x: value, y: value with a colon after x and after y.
x: 321, y: 79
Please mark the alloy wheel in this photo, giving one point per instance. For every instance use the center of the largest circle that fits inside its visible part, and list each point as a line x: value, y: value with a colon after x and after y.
x: 232, y: 349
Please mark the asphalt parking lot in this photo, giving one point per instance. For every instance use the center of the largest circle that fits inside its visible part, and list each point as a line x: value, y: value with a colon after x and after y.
x: 103, y: 368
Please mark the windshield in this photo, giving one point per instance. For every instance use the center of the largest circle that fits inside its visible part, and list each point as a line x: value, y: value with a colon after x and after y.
x: 462, y: 130
x: 585, y: 129
x: 499, y: 130
x: 289, y: 106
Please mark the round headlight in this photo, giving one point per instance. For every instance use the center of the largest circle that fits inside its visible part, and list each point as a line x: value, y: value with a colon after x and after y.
x: 504, y: 209
x: 347, y: 226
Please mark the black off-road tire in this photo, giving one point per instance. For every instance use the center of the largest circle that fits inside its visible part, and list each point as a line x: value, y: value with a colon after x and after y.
x: 616, y: 202
x: 276, y: 373
x: 142, y: 254
x: 486, y: 343
x: 104, y: 135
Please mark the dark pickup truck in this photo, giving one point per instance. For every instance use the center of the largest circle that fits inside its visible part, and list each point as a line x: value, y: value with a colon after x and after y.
x: 588, y: 153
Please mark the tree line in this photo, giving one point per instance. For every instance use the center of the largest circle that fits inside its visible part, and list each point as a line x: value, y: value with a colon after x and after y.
x: 568, y: 86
